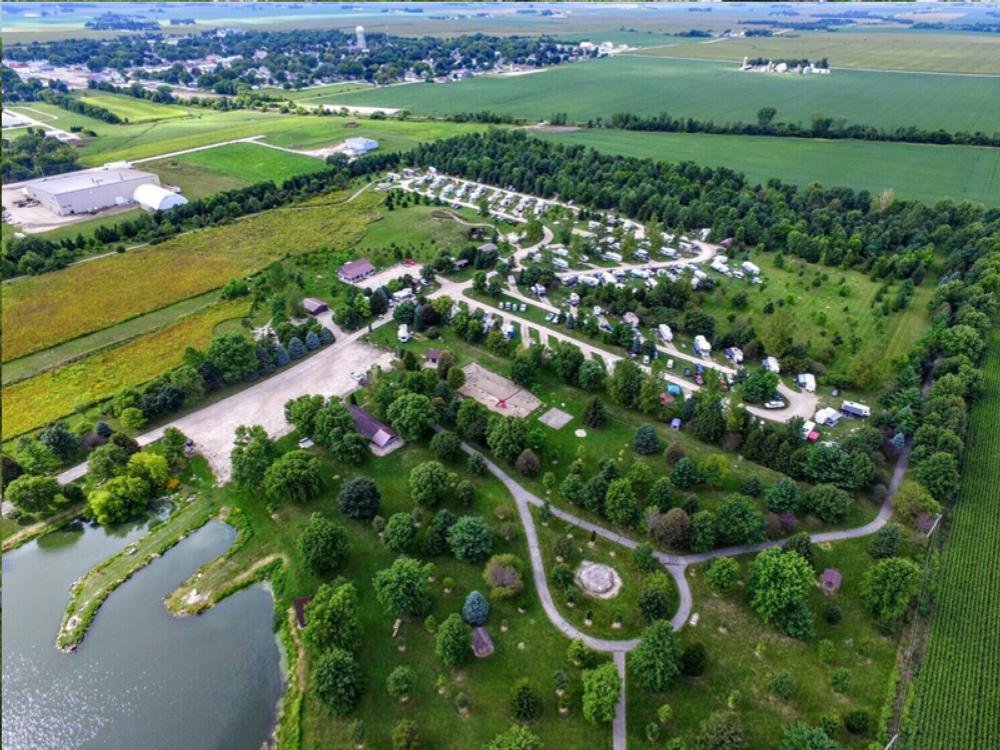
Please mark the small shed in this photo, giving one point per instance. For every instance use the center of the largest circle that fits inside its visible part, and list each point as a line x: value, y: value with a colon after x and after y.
x: 482, y: 644
x: 830, y: 580
x: 488, y: 247
x: 300, y: 610
x: 433, y: 355
x: 461, y: 263
x: 314, y: 306
x: 676, y: 423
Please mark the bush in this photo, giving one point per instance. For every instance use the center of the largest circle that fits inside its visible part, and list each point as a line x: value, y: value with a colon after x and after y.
x: 504, y: 575
x: 674, y: 453
x: 694, y: 660
x: 399, y: 532
x: 802, y: 545
x: 405, y: 735
x: 132, y: 417
x: 453, y: 641
x: 476, y: 609
x: 857, y: 722
x: 796, y: 621
x: 646, y: 442
x: 528, y: 464
x: 722, y: 576
x: 886, y: 541
x: 562, y: 575
x: 750, y: 487
x: 470, y: 539
x: 673, y: 529
x: 721, y: 731
x: 523, y: 702
x: 446, y: 446
x: 476, y: 464
x: 841, y: 680
x: 828, y: 503
x: 684, y: 474
x: 595, y: 415
x: 781, y: 686
x: 834, y: 615
x: 338, y: 682
x: 400, y: 682
x: 580, y: 655
x: 644, y: 560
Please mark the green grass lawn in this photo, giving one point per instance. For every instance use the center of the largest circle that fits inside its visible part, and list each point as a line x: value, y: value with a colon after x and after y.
x: 422, y: 231
x: 926, y: 173
x: 249, y: 163
x: 194, y: 180
x: 131, y: 109
x: 710, y: 91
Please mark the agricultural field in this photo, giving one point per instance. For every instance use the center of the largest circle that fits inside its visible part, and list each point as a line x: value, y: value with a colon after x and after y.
x: 316, y: 94
x: 131, y: 109
x: 56, y: 393
x: 175, y: 270
x: 708, y: 90
x: 245, y: 163
x: 926, y: 173
x: 878, y: 49
x: 956, y: 704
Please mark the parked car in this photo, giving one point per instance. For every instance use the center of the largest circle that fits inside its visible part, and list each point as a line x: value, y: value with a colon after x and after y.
x: 358, y: 376
x: 645, y: 359
x: 524, y: 307
x: 549, y: 317
x: 699, y: 379
x: 687, y: 372
x: 670, y: 364
x: 774, y: 405
x: 699, y: 369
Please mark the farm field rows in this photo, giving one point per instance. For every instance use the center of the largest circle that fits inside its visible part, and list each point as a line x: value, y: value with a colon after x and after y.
x: 954, y: 52
x: 926, y: 173
x: 144, y: 280
x: 708, y: 90
x: 132, y: 109
x: 247, y: 163
x: 55, y: 393
x: 958, y: 699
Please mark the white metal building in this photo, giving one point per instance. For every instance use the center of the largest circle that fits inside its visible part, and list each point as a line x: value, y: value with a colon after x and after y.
x: 85, y: 192
x: 360, y: 146
x: 156, y: 198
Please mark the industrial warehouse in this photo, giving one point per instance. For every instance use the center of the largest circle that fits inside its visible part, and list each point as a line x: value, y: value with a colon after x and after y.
x: 88, y: 192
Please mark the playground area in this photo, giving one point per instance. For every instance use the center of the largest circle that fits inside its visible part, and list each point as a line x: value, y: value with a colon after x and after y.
x: 497, y: 393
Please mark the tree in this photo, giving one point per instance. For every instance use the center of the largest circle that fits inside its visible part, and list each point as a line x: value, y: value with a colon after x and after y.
x: 150, y: 468
x: 751, y: 486
x: 799, y: 736
x: 456, y: 378
x: 703, y: 531
x: 123, y: 441
x: 453, y: 641
x: 446, y: 446
x: 592, y: 375
x: 401, y: 588
x: 470, y: 539
x: 796, y: 621
x: 413, y: 415
x: 625, y: 383
x: 297, y: 348
x: 909, y: 501
x: 580, y: 654
x: 777, y: 581
x: 516, y: 738
x: 359, y: 498
x: 59, y: 439
x: 674, y: 453
x: 506, y: 437
x: 400, y: 682
x: 133, y: 418
x: 118, y: 500
x: 504, y: 574
x: 428, y: 482
x: 654, y: 600
x: 684, y: 474
x: 657, y: 657
x: 694, y: 660
x: 323, y: 545
x: 105, y: 462
x: 673, y: 529
x: 643, y: 558
x: 29, y: 493
x: 233, y: 354
x: 714, y: 469
x: 595, y: 415
x: 783, y: 497
x: 332, y: 618
x: 338, y: 682
x: 399, y: 532
x: 721, y: 731
x: 828, y: 503
x: 886, y: 541
x: 601, y: 690
x: 739, y: 521
x: 802, y: 545
x: 619, y: 503
x: 722, y: 576
x: 889, y: 587
x: 11, y: 470
x: 662, y: 496
x: 405, y: 735
x: 476, y: 609
x: 646, y: 442
x: 523, y: 703
x: 938, y: 474
x: 528, y: 464
x: 302, y: 412
x: 295, y: 476
x: 173, y: 444
x: 253, y: 452
x: 357, y: 733
x: 336, y: 429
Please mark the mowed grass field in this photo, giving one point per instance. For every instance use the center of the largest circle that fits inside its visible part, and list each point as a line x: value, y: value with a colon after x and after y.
x: 925, y: 173
x: 880, y: 49
x: 247, y: 163
x: 132, y: 109
x: 710, y: 91
x: 53, y: 394
x: 144, y: 280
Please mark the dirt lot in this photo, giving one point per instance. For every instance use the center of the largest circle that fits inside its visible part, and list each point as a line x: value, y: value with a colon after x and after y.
x: 489, y: 389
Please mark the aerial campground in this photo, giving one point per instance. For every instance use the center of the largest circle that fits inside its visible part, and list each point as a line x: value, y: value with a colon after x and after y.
x: 501, y: 375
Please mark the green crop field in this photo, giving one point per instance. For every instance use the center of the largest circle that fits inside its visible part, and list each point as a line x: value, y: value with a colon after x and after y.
x: 132, y: 109
x: 957, y: 691
x: 314, y: 95
x: 249, y: 163
x: 926, y: 173
x: 862, y: 48
x: 708, y: 90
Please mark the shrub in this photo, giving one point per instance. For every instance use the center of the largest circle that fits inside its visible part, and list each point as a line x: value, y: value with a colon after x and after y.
x: 504, y: 576
x: 721, y: 731
x: 841, y: 680
x: 431, y: 623
x: 523, y: 702
x: 476, y: 609
x: 562, y: 575
x: 400, y: 682
x: 580, y: 655
x: 453, y: 641
x: 405, y: 735
x: 673, y: 529
x: 802, y: 545
x: 470, y: 539
x: 646, y: 442
x: 694, y: 660
x: 476, y: 463
x: 834, y: 615
x: 528, y: 464
x: 594, y: 415
x: 722, y: 576
x: 132, y: 417
x: 643, y: 558
x: 684, y: 474
x: 781, y: 686
x: 796, y: 621
x: 466, y: 492
x: 886, y: 541
x: 296, y: 349
x: 654, y: 600
x: 312, y: 341
x: 750, y: 486
x: 446, y: 446
x: 857, y: 722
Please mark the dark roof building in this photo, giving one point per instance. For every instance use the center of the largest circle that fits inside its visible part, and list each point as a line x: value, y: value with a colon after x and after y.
x: 433, y: 355
x: 488, y: 247
x: 355, y: 271
x: 381, y: 435
x: 482, y: 644
x: 314, y: 306
x: 460, y: 264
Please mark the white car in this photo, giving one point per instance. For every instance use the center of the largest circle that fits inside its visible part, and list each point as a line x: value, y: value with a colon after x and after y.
x: 774, y: 405
x: 524, y: 307
x: 549, y: 317
x: 645, y: 359
x: 670, y: 364
x: 358, y: 376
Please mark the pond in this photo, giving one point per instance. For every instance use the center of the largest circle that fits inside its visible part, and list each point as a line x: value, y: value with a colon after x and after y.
x: 141, y: 678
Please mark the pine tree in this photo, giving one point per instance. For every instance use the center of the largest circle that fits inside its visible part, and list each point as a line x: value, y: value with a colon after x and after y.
x: 595, y: 415
x: 296, y: 349
x: 281, y: 357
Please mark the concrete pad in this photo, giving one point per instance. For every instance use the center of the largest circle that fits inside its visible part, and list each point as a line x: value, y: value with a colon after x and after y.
x: 490, y: 389
x: 555, y: 418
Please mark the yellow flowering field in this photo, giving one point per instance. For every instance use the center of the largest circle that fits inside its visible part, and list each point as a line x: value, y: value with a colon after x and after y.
x: 53, y: 394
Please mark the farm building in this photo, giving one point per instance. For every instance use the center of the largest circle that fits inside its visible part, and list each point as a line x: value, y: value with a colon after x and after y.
x: 314, y: 306
x: 156, y: 198
x: 854, y: 409
x: 86, y: 192
x: 360, y: 146
x: 355, y: 271
x: 381, y: 436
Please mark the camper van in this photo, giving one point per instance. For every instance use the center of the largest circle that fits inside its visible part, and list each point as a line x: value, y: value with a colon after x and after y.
x: 403, y: 334
x: 854, y: 409
x: 665, y: 333
x: 701, y: 346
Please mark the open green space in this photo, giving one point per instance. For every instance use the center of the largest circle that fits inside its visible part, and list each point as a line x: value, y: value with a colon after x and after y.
x: 132, y: 109
x: 421, y: 230
x: 316, y: 94
x: 87, y: 227
x: 245, y: 162
x: 926, y: 173
x: 882, y: 49
x: 195, y: 181
x: 709, y: 91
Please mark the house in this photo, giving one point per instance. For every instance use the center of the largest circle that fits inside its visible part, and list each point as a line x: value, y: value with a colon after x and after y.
x: 355, y: 271
x: 828, y: 417
x: 380, y: 435
x: 830, y: 580
x: 854, y: 409
x: 734, y: 354
x: 300, y: 610
x: 433, y: 355
x: 314, y: 306
x: 807, y: 382
x: 771, y: 363
x: 482, y: 644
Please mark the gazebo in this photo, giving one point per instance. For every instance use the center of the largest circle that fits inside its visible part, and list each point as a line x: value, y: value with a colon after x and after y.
x: 482, y: 644
x: 830, y: 580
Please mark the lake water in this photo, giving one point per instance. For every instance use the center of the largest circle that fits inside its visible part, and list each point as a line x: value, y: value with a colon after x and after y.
x: 141, y: 679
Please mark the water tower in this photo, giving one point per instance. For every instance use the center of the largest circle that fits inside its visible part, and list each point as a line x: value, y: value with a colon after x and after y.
x: 360, y: 31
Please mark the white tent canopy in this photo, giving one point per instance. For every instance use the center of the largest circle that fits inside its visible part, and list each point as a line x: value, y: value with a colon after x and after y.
x: 156, y: 198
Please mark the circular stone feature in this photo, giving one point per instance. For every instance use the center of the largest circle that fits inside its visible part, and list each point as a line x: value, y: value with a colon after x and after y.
x: 598, y: 580
x: 581, y: 433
